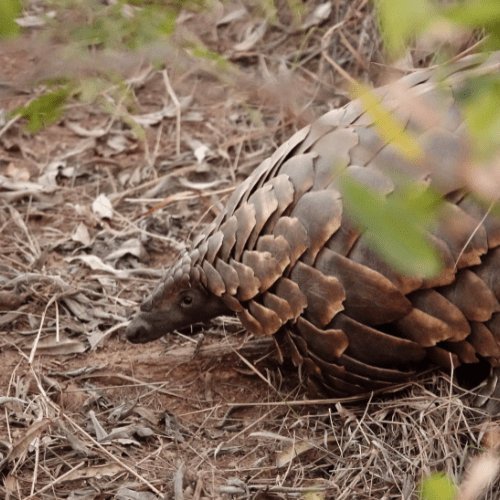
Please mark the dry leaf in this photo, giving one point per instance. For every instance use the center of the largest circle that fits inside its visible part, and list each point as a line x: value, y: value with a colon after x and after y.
x: 50, y: 347
x: 320, y: 14
x: 97, y: 471
x: 236, y: 15
x: 23, y: 443
x: 102, y: 207
x: 82, y: 235
x: 133, y: 247
x: 253, y: 37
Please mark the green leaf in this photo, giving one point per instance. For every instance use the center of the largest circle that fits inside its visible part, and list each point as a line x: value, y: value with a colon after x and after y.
x: 480, y: 99
x: 167, y: 23
x: 390, y: 129
x: 401, y: 20
x: 474, y: 12
x: 45, y: 110
x: 9, y: 11
x: 483, y: 14
x: 437, y: 487
x: 396, y: 226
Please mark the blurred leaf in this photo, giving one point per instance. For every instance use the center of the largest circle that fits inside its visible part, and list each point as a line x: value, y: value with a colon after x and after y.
x: 314, y: 495
x: 150, y: 24
x: 115, y: 26
x: 396, y: 226
x: 390, y: 129
x: 44, y: 110
x: 268, y: 9
x: 91, y: 88
x: 9, y: 11
x: 474, y: 12
x: 437, y: 487
x: 484, y: 14
x: 298, y: 10
x: 222, y: 64
x: 167, y: 23
x: 117, y: 104
x: 480, y: 98
x: 401, y: 20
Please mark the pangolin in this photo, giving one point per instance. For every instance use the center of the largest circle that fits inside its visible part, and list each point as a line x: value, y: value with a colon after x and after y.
x: 288, y: 260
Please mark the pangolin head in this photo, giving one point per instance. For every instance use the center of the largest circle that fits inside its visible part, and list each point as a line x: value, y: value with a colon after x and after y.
x: 178, y: 301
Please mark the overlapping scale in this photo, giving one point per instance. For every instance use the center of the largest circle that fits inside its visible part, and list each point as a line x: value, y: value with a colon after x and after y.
x: 286, y: 257
x: 370, y: 297
x: 320, y: 214
x: 324, y: 294
x: 472, y: 296
x: 374, y: 347
x: 490, y: 222
x: 363, y: 254
x: 465, y: 237
x: 265, y: 203
x: 433, y: 303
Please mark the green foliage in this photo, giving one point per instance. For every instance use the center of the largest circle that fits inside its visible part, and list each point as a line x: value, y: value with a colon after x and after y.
x: 45, y: 110
x: 9, y: 10
x: 110, y: 27
x: 115, y: 98
x: 482, y: 95
x: 477, y: 14
x: 480, y: 98
x: 388, y: 127
x: 89, y: 26
x: 437, y: 487
x: 395, y: 226
x: 401, y: 20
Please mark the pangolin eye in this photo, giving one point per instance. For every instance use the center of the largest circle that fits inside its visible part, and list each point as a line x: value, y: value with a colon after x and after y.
x: 186, y: 300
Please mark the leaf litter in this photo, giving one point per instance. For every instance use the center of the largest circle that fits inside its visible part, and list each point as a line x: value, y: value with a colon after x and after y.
x: 89, y: 216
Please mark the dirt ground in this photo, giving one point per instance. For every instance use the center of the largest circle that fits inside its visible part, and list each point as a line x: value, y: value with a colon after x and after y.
x: 89, y: 217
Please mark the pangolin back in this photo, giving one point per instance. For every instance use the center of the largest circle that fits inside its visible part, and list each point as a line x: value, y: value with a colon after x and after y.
x: 285, y: 257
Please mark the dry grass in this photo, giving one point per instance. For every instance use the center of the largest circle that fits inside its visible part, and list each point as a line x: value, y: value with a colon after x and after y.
x: 86, y: 438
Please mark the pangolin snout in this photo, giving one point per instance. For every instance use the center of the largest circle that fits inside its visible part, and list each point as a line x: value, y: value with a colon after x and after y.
x: 140, y: 331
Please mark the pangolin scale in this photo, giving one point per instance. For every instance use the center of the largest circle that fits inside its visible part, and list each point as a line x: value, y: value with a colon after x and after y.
x: 285, y: 257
